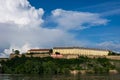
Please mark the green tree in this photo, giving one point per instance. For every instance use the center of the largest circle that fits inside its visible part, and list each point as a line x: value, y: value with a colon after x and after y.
x: 49, y: 67
x: 50, y: 51
x: 17, y: 52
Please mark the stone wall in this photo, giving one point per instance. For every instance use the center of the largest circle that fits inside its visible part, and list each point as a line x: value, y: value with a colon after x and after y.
x: 4, y: 59
x: 30, y: 55
x: 67, y: 56
x: 113, y: 57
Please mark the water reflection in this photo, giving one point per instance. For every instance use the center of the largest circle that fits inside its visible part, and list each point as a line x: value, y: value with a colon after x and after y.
x: 60, y: 77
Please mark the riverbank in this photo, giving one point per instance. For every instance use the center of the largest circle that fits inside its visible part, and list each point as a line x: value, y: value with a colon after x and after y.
x: 84, y: 72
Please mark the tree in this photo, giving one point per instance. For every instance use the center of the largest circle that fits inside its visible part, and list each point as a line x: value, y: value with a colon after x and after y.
x: 113, y: 53
x: 50, y: 51
x: 17, y: 52
x: 49, y: 67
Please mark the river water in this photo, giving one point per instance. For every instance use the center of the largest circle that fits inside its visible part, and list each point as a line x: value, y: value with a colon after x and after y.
x: 60, y: 77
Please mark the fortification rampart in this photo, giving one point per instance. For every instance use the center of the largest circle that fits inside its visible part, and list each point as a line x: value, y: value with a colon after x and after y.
x: 30, y: 55
x: 67, y: 56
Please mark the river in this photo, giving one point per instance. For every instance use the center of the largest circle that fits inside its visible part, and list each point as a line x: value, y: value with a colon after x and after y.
x: 60, y: 77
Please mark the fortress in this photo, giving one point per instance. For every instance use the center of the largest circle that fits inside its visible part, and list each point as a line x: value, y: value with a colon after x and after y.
x: 68, y: 52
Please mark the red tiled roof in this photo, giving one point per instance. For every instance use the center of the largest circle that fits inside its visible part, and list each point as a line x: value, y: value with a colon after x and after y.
x: 39, y: 50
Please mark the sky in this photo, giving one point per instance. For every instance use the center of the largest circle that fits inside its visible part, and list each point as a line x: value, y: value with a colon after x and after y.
x: 26, y: 24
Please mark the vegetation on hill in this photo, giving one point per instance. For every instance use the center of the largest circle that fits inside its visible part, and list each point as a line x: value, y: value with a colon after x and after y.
x: 48, y: 65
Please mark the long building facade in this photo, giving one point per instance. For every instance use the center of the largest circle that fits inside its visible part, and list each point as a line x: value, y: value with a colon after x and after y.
x: 80, y: 51
x: 38, y: 51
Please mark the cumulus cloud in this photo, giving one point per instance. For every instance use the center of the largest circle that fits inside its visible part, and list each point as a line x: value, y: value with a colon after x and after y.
x: 111, y: 45
x: 75, y: 20
x: 19, y: 12
x: 21, y: 26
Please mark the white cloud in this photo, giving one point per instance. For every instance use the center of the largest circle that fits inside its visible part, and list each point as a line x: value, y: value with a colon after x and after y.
x: 75, y: 20
x: 19, y: 12
x: 111, y: 45
x: 21, y: 26
x: 33, y: 37
x: 111, y: 12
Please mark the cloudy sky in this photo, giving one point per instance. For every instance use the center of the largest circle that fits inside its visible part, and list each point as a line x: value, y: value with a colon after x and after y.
x: 26, y: 24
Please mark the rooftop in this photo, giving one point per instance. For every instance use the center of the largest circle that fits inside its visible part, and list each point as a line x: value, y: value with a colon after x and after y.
x: 39, y: 50
x: 79, y: 48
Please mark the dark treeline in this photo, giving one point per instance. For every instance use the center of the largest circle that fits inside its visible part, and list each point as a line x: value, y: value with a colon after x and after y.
x: 48, y: 65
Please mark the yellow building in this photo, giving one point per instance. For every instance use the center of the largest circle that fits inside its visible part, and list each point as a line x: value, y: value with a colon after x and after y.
x: 38, y: 51
x: 80, y: 51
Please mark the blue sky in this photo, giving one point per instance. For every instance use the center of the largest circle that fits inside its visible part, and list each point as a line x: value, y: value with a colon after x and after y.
x: 26, y: 24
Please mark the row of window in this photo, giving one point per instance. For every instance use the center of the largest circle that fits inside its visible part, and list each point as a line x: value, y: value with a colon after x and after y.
x: 82, y: 52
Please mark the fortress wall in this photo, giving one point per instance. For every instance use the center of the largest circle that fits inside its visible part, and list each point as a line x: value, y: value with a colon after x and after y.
x: 28, y: 55
x: 67, y: 56
x: 113, y: 57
